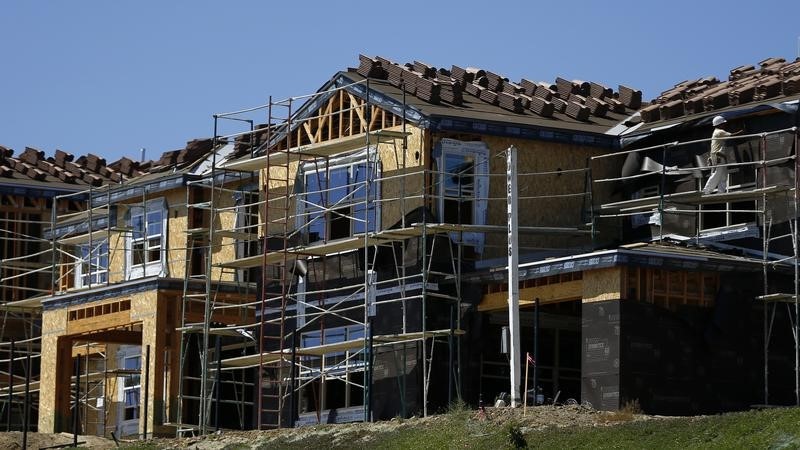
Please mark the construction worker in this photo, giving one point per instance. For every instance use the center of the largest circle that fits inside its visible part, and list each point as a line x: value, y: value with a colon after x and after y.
x: 719, y: 175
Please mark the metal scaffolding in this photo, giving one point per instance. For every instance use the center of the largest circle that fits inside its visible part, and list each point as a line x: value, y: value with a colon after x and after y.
x: 769, y: 199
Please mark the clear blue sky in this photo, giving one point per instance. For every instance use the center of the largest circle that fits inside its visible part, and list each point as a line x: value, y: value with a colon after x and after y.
x: 110, y: 77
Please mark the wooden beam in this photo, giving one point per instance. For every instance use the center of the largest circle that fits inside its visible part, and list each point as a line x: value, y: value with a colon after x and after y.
x: 322, y: 120
x: 309, y: 133
x: 341, y: 112
x: 93, y: 348
x: 331, y: 109
x: 114, y: 337
x: 99, y: 322
x: 373, y: 119
x: 354, y: 101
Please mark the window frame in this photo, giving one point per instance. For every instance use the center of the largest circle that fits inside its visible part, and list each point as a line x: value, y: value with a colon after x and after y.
x: 478, y: 151
x: 96, y: 259
x: 147, y: 267
x: 131, y: 384
x: 311, y: 213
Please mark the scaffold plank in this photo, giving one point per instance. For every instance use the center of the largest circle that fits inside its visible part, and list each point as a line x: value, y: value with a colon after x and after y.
x: 695, y: 197
x: 326, y: 248
x: 242, y: 362
x: 784, y: 298
x: 451, y: 228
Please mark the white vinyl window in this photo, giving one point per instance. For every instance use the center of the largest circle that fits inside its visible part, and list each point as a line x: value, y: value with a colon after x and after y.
x: 91, y: 267
x: 335, y: 204
x: 146, y: 251
x: 131, y: 389
x: 463, y: 185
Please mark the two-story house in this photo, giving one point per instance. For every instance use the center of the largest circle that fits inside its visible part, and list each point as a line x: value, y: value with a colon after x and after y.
x: 131, y: 278
x: 380, y: 194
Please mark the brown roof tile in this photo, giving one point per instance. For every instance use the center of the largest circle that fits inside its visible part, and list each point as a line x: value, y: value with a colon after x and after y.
x: 746, y: 83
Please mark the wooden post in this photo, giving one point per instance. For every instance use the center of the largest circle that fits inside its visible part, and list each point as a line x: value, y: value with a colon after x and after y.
x: 76, y: 408
x: 146, y: 389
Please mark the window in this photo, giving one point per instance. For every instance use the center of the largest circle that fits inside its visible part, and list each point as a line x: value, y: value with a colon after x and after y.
x: 91, y: 267
x: 463, y: 186
x: 332, y: 336
x: 335, y: 203
x: 344, y: 371
x: 247, y: 225
x: 131, y: 389
x: 146, y: 242
x: 458, y: 185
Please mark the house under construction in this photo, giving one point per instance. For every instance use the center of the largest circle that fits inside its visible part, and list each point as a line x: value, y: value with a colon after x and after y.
x: 347, y: 258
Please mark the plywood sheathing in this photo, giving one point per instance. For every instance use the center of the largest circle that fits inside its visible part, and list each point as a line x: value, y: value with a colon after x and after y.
x: 176, y: 232
x: 54, y: 325
x: 149, y: 308
x: 548, y: 293
x: 602, y: 284
x: 117, y: 248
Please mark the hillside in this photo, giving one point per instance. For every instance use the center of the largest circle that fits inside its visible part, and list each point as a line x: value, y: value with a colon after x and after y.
x: 541, y: 427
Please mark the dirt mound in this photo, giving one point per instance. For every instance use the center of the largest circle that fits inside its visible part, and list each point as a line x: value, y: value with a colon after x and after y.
x: 13, y: 440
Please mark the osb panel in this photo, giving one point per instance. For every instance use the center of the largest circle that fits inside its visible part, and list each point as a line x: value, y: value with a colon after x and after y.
x: 176, y: 232
x: 99, y: 322
x: 402, y: 193
x: 224, y: 249
x: 549, y: 293
x: 54, y: 324
x: 279, y: 189
x: 116, y: 247
x: 143, y: 306
x: 157, y: 331
x: 602, y: 284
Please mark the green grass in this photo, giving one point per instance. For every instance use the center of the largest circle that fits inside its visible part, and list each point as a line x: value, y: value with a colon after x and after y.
x: 777, y: 429
x: 757, y: 429
x: 459, y: 428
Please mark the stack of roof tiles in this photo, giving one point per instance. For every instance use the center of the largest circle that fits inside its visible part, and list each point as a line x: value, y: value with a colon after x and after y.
x: 90, y: 169
x: 773, y: 77
x: 62, y: 167
x: 578, y: 99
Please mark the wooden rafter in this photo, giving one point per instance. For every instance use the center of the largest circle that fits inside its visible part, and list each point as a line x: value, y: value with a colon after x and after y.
x: 342, y: 115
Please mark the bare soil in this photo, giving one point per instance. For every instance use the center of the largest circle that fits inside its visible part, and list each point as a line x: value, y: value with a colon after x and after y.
x: 13, y: 440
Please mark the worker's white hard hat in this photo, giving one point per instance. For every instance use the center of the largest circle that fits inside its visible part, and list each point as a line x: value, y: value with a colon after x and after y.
x: 718, y: 120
